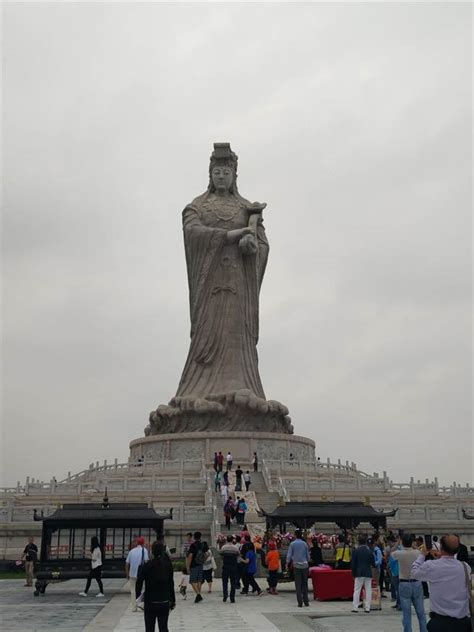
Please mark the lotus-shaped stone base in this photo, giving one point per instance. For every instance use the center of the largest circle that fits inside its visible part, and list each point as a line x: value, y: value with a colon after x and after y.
x: 234, y: 411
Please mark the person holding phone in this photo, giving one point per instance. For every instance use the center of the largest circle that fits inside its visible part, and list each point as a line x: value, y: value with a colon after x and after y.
x: 159, y: 597
x: 450, y: 587
x: 410, y: 589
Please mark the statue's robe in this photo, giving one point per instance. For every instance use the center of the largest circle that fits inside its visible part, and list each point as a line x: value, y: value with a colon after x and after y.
x: 224, y: 289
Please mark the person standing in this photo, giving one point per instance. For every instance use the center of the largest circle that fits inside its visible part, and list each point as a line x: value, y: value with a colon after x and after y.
x: 315, y: 553
x: 216, y: 462
x: 249, y: 571
x: 208, y: 567
x: 194, y: 565
x: 159, y: 597
x: 450, y: 585
x: 228, y: 512
x: 187, y: 543
x: 230, y: 569
x: 240, y: 564
x: 378, y: 559
x: 30, y: 556
x: 247, y: 480
x: 217, y: 481
x: 409, y: 588
x: 272, y: 560
x: 220, y: 461
x: 229, y: 461
x: 394, y: 571
x: 96, y: 569
x: 255, y: 462
x: 238, y: 479
x: 241, y: 510
x: 343, y: 553
x: 418, y: 544
x: 298, y: 557
x: 224, y: 494
x: 136, y: 557
x: 462, y: 555
x: 361, y: 565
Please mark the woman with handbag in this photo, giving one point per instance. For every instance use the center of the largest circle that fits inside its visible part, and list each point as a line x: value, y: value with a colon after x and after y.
x: 209, y: 565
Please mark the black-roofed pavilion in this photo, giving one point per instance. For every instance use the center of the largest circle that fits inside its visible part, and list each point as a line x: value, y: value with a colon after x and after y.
x: 347, y: 515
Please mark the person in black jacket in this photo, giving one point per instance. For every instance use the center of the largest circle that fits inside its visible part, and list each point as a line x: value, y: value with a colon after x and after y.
x: 362, y: 562
x: 159, y: 588
x: 463, y: 553
x: 315, y: 553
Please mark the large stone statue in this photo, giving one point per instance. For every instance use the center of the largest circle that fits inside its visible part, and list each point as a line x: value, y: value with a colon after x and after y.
x: 226, y: 254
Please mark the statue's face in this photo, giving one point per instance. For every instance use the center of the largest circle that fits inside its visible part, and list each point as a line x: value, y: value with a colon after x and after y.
x: 222, y: 178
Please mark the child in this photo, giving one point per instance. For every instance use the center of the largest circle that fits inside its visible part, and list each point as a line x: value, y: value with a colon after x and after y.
x: 183, y: 584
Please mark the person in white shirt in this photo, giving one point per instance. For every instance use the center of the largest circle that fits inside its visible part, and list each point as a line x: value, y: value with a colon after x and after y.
x: 224, y: 494
x: 247, y: 480
x: 96, y: 568
x: 136, y: 557
x: 229, y: 461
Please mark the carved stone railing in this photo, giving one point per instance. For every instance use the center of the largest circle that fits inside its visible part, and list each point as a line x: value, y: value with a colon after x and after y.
x: 282, y: 490
x: 131, y: 481
x: 267, y: 479
x: 215, y: 524
x: 129, y: 468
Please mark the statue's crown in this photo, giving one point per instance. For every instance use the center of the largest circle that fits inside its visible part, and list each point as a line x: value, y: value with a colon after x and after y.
x: 223, y: 155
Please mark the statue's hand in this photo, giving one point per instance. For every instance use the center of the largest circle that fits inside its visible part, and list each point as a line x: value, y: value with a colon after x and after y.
x: 256, y: 207
x: 248, y: 245
x: 238, y: 233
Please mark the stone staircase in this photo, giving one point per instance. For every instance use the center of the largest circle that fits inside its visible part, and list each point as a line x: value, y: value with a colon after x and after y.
x: 266, y: 500
x: 257, y: 497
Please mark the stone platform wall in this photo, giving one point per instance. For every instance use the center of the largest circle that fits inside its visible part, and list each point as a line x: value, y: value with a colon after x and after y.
x: 242, y: 445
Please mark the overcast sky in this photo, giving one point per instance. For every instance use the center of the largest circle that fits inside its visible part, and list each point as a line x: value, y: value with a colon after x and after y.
x: 353, y: 122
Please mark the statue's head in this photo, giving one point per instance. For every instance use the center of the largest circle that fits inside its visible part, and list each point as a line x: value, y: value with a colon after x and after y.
x: 223, y: 169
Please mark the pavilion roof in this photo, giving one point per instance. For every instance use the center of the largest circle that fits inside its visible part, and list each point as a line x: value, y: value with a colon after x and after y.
x: 345, y: 514
x: 114, y: 513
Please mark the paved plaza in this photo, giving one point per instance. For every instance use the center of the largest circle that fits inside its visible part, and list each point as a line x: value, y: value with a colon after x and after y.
x: 62, y: 610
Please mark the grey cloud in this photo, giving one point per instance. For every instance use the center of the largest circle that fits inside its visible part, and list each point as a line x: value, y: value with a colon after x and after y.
x: 352, y: 121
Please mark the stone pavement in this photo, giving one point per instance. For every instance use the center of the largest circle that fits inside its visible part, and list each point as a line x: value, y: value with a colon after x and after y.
x: 62, y: 610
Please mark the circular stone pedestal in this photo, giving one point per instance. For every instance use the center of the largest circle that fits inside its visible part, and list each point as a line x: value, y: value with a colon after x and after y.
x: 242, y: 445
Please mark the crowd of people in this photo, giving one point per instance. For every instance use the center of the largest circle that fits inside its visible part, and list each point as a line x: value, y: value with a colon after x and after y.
x: 413, y: 569
x: 410, y: 568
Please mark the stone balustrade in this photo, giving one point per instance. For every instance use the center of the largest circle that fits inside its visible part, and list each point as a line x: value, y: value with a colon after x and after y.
x: 299, y: 476
x: 117, y: 477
